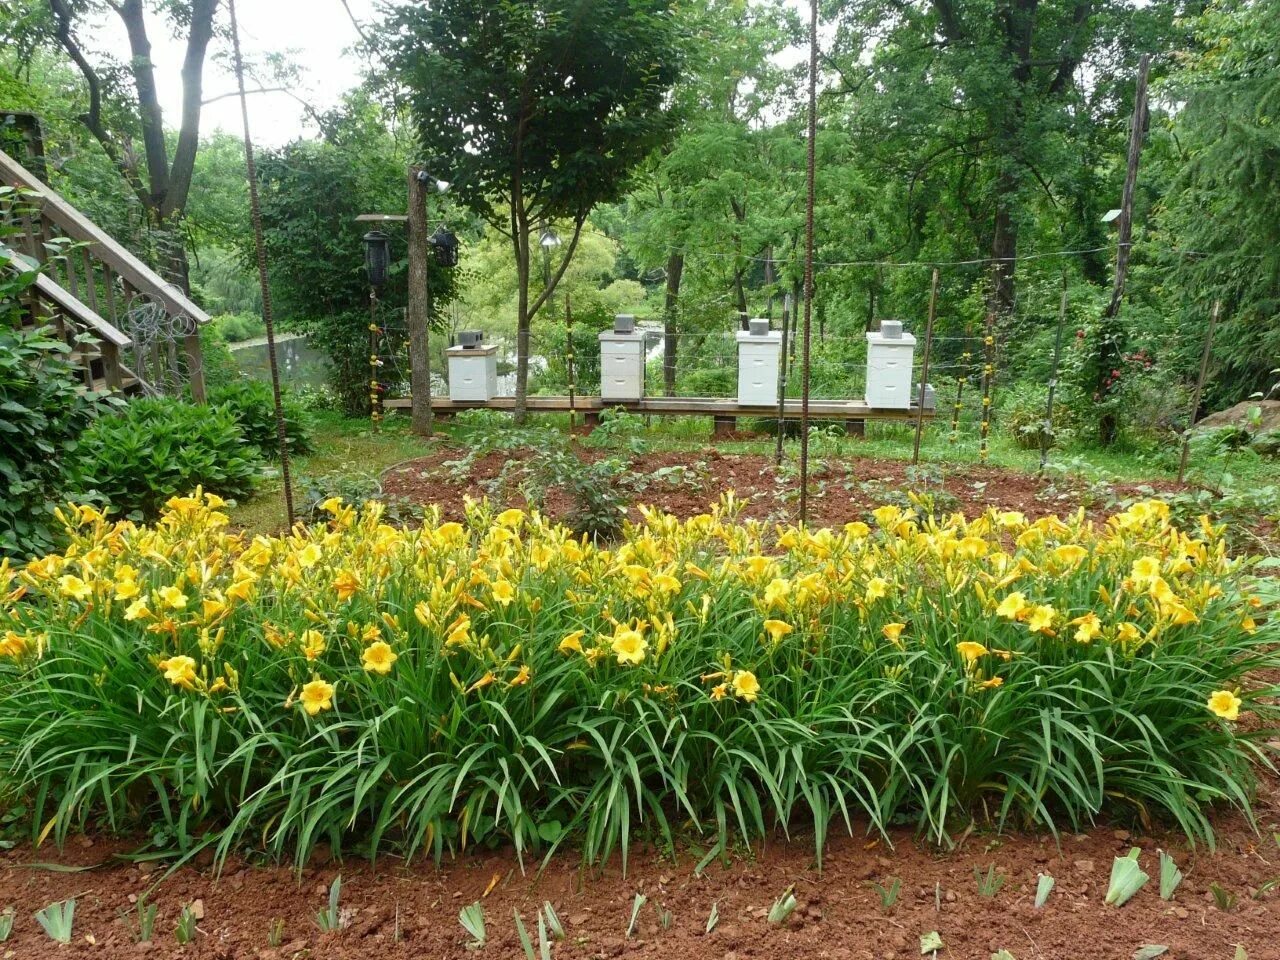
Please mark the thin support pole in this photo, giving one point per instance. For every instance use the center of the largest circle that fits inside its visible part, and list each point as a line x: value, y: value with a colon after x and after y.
x: 260, y: 248
x: 924, y: 365
x: 810, y: 168
x: 1195, y: 401
x: 417, y: 318
x: 1046, y: 432
x: 568, y: 358
x: 788, y: 309
x: 988, y: 378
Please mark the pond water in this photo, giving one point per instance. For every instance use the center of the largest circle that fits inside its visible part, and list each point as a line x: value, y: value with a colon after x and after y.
x: 300, y: 364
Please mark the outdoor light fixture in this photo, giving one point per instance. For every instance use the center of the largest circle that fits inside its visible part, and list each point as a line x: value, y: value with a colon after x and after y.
x: 549, y: 238
x: 445, y: 244
x: 377, y: 257
x: 441, y: 186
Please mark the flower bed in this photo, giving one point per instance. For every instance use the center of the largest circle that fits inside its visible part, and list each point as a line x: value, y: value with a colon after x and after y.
x: 372, y: 687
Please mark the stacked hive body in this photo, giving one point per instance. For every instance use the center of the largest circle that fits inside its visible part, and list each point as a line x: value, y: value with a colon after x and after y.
x: 473, y: 369
x: 759, y: 354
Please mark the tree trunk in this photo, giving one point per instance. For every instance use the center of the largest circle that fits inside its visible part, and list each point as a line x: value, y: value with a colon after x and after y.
x: 417, y: 317
x: 1004, y: 248
x: 520, y: 239
x: 670, y: 317
x: 1109, y: 348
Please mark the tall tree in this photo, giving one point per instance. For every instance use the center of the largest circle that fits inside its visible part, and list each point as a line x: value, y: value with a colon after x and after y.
x: 994, y: 99
x: 121, y: 113
x: 537, y: 111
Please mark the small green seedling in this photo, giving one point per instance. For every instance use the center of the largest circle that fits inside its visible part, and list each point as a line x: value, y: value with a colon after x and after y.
x: 664, y: 917
x: 888, y: 893
x: 6, y: 923
x: 522, y: 934
x: 989, y: 883
x: 275, y: 936
x: 1170, y: 876
x: 330, y: 918
x: 1127, y: 878
x: 186, y: 930
x: 713, y: 917
x: 1149, y: 951
x: 931, y: 942
x: 1003, y: 955
x: 57, y: 920
x: 553, y: 920
x: 1222, y: 898
x: 472, y: 920
x: 1044, y: 887
x: 1241, y: 953
x: 544, y: 942
x: 636, y: 904
x: 783, y: 907
x: 146, y: 927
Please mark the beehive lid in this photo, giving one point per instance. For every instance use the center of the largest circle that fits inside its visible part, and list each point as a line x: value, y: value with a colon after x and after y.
x: 891, y: 334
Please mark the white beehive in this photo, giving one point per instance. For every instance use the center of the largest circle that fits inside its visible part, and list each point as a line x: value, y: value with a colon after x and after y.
x: 473, y: 373
x: 890, y: 353
x: 759, y: 353
x: 622, y: 361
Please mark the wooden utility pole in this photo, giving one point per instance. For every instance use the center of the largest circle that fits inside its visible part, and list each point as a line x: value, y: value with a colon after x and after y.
x: 1108, y: 350
x: 417, y: 316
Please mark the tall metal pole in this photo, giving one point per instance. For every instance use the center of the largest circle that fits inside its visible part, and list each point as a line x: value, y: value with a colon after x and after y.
x: 924, y: 366
x: 808, y: 260
x: 417, y: 315
x: 1046, y: 435
x: 1195, y: 402
x: 260, y: 249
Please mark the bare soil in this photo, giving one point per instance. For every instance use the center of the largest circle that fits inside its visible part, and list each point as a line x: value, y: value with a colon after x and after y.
x: 841, y: 489
x: 391, y: 910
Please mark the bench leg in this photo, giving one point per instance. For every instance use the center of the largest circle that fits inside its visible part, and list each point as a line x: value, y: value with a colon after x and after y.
x: 591, y: 420
x: 724, y: 427
x: 855, y: 428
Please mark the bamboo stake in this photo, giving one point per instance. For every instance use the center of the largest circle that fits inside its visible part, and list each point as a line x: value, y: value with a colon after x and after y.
x: 808, y: 261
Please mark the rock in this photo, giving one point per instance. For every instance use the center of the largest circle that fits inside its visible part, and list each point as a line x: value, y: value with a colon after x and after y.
x: 197, y: 908
x: 578, y: 919
x: 1181, y: 913
x: 950, y: 896
x: 1084, y: 866
x: 1241, y: 415
x: 1122, y: 835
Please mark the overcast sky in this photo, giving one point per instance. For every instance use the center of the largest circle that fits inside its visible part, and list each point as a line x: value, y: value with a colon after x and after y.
x: 314, y: 33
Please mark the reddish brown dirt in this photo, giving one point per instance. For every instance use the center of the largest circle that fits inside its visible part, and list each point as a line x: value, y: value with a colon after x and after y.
x: 839, y: 914
x: 840, y: 489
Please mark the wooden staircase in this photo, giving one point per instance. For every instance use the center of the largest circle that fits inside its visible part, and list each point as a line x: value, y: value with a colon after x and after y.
x: 128, y: 329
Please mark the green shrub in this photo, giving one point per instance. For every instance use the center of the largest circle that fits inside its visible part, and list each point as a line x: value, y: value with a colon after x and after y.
x: 158, y: 447
x: 220, y: 366
x: 236, y: 327
x: 1021, y: 414
x: 252, y: 404
x: 42, y: 414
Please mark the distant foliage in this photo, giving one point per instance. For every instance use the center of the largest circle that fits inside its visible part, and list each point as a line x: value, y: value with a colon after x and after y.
x: 159, y: 447
x: 253, y: 406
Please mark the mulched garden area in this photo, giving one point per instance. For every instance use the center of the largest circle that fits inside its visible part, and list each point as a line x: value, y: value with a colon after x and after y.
x: 839, y: 914
x: 685, y: 483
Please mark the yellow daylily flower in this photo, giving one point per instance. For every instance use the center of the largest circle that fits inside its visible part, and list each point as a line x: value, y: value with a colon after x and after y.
x: 317, y: 696
x: 1225, y: 704
x: 378, y: 657
x: 628, y: 645
x: 970, y: 650
x: 180, y: 671
x: 777, y: 629
x: 746, y: 686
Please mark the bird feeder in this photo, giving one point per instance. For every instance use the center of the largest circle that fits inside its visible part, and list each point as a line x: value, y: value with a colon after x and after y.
x: 377, y: 257
x: 622, y: 360
x: 759, y: 356
x: 444, y: 243
x: 473, y: 369
x: 890, y: 353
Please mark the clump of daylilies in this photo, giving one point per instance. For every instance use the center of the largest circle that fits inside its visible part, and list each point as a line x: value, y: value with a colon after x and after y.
x: 908, y: 664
